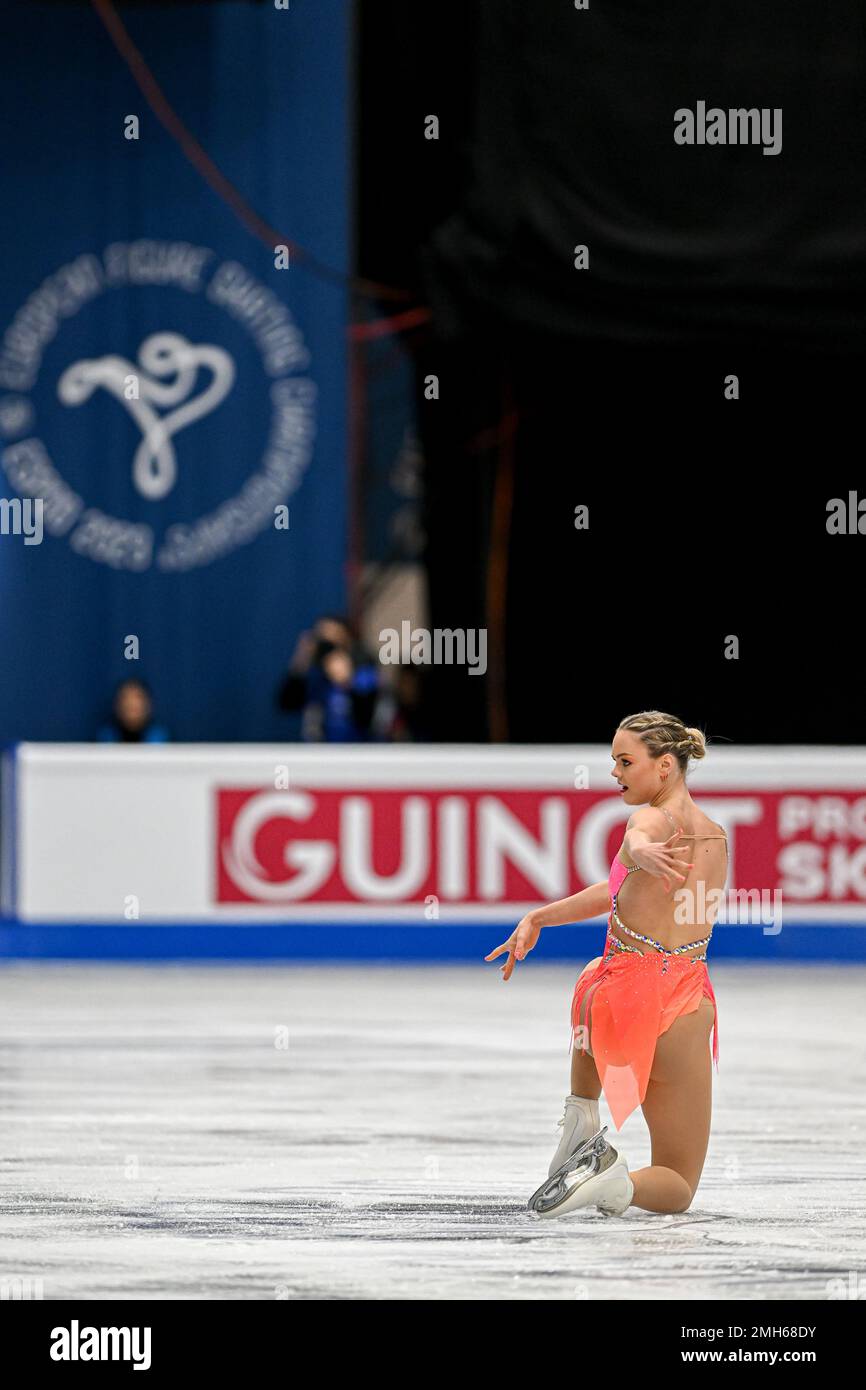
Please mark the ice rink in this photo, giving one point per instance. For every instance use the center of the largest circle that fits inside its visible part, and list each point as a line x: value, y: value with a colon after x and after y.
x: 373, y: 1132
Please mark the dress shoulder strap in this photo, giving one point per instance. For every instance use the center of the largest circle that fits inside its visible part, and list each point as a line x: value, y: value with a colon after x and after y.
x: 693, y: 837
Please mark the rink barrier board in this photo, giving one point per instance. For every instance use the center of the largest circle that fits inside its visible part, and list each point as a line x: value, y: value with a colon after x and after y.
x: 466, y: 943
x: 496, y: 830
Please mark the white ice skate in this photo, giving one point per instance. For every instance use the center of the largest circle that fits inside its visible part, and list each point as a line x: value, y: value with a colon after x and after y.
x: 595, y: 1175
x: 579, y: 1122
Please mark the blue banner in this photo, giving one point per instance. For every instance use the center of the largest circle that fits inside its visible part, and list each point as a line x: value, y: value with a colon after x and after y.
x: 172, y: 376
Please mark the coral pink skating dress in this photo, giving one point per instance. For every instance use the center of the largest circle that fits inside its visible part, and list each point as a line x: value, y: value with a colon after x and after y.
x: 634, y: 998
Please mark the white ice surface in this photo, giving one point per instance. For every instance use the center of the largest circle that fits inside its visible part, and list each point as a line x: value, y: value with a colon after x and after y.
x: 158, y: 1141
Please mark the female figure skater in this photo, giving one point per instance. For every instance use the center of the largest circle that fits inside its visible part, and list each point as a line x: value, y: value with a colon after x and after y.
x: 642, y: 1012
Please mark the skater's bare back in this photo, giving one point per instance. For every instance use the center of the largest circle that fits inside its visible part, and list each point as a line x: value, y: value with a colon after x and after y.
x: 688, y: 907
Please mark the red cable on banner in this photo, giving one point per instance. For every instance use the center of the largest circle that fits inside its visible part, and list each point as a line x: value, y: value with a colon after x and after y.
x: 380, y: 328
x: 225, y: 189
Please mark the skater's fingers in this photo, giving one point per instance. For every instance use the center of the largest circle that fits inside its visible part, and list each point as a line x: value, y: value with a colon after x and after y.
x: 506, y: 946
x: 677, y: 864
x: 516, y: 949
x: 498, y: 951
x: 508, y: 966
x: 677, y: 871
x: 676, y: 875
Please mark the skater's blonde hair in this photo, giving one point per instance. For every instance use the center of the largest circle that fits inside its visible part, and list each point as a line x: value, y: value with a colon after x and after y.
x: 664, y: 733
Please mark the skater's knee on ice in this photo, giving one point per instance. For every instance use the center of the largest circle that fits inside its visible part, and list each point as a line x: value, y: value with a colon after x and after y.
x: 688, y: 1200
x: 677, y: 1192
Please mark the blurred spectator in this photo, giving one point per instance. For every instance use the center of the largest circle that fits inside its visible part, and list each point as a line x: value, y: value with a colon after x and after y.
x: 132, y: 716
x: 333, y: 681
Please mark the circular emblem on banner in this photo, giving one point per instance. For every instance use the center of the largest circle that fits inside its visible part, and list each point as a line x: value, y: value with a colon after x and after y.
x: 179, y: 375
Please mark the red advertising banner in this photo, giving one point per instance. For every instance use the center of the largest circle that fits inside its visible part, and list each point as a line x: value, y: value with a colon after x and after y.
x: 495, y: 846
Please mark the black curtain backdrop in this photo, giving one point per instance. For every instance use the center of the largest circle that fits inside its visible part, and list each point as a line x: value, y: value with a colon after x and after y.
x: 605, y: 388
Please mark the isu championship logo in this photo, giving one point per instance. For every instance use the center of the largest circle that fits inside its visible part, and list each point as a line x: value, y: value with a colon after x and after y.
x: 167, y: 387
x: 162, y: 356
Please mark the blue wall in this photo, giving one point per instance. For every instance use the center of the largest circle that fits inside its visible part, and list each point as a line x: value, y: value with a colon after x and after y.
x: 266, y: 93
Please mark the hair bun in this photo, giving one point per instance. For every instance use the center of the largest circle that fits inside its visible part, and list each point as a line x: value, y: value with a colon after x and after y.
x: 697, y: 744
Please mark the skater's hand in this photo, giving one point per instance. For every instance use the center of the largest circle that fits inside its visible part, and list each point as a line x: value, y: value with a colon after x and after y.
x: 521, y: 940
x: 659, y: 859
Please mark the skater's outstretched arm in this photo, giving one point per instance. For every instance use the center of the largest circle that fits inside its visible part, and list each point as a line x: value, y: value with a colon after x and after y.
x: 593, y: 901
x: 590, y: 902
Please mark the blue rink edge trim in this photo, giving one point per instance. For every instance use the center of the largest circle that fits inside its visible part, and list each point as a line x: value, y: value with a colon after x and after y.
x: 318, y: 940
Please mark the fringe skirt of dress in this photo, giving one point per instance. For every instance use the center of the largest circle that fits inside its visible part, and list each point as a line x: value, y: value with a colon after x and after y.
x: 634, y: 998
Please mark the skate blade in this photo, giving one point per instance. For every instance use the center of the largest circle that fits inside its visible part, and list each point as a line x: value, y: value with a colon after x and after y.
x: 554, y: 1190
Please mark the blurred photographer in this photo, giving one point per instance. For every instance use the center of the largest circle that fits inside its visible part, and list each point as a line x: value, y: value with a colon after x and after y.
x: 333, y: 682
